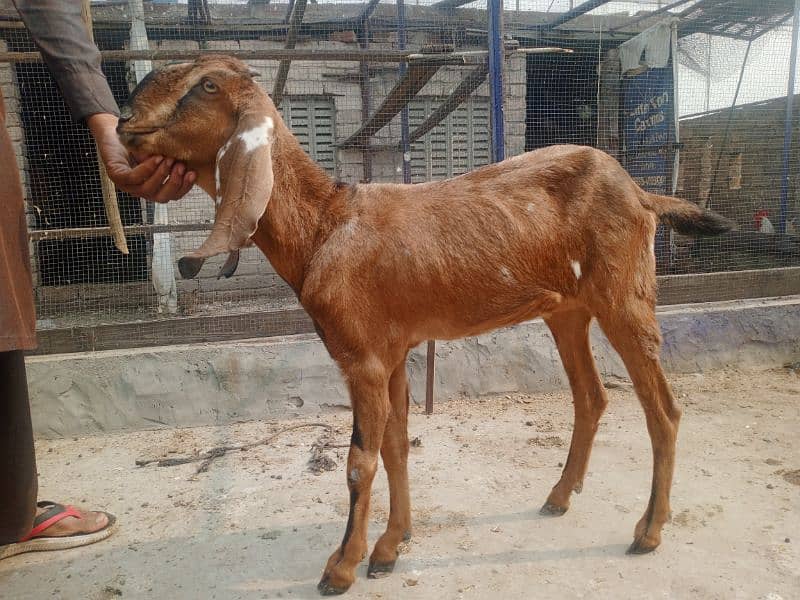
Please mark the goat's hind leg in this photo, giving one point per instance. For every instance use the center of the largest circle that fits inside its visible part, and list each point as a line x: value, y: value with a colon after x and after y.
x: 570, y: 330
x: 394, y: 452
x: 633, y: 331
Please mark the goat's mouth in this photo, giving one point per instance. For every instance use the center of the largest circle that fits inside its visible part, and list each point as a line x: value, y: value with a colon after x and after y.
x: 126, y: 130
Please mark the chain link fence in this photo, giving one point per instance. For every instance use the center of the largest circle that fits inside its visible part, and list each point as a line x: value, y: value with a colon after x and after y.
x: 692, y: 97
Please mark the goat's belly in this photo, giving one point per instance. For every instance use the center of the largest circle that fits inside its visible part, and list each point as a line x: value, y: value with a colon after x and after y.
x: 474, y: 320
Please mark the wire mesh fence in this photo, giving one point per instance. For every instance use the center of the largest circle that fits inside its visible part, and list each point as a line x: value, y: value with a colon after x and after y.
x: 692, y: 97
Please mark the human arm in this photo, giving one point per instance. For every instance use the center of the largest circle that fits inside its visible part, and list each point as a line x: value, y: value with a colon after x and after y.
x: 74, y: 61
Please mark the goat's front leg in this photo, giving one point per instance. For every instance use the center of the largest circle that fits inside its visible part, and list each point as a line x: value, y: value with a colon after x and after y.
x: 369, y: 396
x: 394, y: 452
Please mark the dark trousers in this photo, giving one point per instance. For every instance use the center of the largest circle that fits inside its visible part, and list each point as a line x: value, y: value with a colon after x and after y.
x: 18, y: 481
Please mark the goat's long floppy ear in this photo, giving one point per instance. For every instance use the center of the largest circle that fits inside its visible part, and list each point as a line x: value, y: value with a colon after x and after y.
x: 244, y: 185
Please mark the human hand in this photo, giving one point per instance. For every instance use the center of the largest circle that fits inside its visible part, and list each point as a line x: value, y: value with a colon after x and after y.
x: 155, y: 178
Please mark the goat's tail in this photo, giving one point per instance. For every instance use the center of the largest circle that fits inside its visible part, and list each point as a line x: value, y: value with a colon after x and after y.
x: 684, y: 217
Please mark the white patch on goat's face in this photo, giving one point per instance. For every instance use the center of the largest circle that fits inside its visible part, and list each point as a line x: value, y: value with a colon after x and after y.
x: 258, y: 136
x: 576, y: 268
x: 530, y: 207
x: 506, y: 273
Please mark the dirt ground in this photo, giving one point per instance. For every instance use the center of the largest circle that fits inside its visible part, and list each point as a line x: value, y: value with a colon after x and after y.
x: 260, y: 524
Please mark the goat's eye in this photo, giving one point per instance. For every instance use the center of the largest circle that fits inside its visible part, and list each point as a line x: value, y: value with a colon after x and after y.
x: 209, y: 86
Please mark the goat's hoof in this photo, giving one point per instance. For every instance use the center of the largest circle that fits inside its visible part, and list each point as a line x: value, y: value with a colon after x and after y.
x: 641, y: 546
x: 327, y: 589
x: 189, y: 266
x: 552, y: 510
x: 377, y: 570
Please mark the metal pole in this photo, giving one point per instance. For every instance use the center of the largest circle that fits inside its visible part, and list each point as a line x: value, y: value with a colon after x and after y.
x: 404, y: 127
x: 405, y: 146
x: 788, y: 126
x: 495, y: 10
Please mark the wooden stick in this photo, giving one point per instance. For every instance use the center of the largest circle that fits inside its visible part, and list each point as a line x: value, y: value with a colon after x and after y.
x: 109, y: 191
x: 93, y: 232
x: 210, y: 455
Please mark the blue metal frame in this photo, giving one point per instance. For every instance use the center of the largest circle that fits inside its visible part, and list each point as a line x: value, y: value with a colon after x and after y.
x: 495, y: 13
x: 405, y: 146
x: 787, y: 132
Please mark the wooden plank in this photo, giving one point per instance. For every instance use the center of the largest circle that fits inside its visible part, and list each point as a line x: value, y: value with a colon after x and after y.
x: 175, y: 330
x: 92, y: 232
x: 391, y: 56
x: 730, y: 285
x: 415, y: 78
x: 295, y: 19
x: 464, y: 90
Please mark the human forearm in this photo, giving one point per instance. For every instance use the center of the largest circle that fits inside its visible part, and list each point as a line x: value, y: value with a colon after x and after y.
x: 59, y: 32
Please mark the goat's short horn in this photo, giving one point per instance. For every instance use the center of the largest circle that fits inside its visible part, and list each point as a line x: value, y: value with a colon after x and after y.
x: 189, y: 266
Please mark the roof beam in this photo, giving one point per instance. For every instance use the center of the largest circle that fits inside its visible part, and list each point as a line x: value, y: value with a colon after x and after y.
x: 368, y: 10
x: 576, y: 12
x: 450, y: 4
x: 295, y: 20
x: 461, y: 93
x: 415, y: 78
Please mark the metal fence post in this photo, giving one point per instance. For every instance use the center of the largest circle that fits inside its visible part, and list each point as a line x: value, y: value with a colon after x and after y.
x: 788, y: 125
x: 430, y: 363
x: 495, y: 42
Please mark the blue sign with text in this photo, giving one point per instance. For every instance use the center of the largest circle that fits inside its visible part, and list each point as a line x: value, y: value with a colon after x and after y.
x: 649, y: 129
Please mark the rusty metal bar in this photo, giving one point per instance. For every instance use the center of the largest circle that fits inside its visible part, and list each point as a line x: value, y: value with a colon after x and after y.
x: 295, y: 20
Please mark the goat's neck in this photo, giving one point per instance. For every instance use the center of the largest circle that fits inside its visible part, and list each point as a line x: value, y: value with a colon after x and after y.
x: 300, y: 211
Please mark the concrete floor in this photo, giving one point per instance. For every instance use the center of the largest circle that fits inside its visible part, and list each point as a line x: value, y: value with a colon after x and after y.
x: 259, y: 524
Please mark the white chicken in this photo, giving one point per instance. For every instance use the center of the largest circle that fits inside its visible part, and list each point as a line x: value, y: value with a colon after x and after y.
x: 762, y: 222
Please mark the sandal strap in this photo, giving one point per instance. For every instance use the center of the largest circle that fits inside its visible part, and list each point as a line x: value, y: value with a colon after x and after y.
x: 55, y: 513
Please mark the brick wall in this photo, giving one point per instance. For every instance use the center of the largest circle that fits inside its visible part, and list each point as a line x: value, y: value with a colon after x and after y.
x: 755, y: 142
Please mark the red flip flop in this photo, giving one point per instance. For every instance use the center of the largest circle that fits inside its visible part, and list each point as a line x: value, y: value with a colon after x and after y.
x: 53, y: 514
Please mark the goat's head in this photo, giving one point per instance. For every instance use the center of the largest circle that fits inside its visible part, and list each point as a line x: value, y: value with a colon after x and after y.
x: 210, y: 114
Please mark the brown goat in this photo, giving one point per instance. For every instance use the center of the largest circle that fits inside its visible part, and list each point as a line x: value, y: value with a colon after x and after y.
x: 561, y: 233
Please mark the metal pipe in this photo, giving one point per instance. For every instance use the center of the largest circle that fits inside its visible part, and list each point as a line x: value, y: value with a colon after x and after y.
x: 574, y: 13
x: 362, y: 35
x: 495, y: 43
x: 405, y: 145
x: 788, y: 125
x: 649, y: 15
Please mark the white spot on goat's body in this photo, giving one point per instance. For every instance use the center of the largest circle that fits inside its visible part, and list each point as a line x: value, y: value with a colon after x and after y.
x: 354, y: 476
x: 576, y: 268
x: 350, y: 227
x: 506, y: 273
x: 258, y: 136
x: 530, y: 207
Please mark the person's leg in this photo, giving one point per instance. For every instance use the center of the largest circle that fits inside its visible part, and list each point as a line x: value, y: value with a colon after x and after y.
x: 17, y: 458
